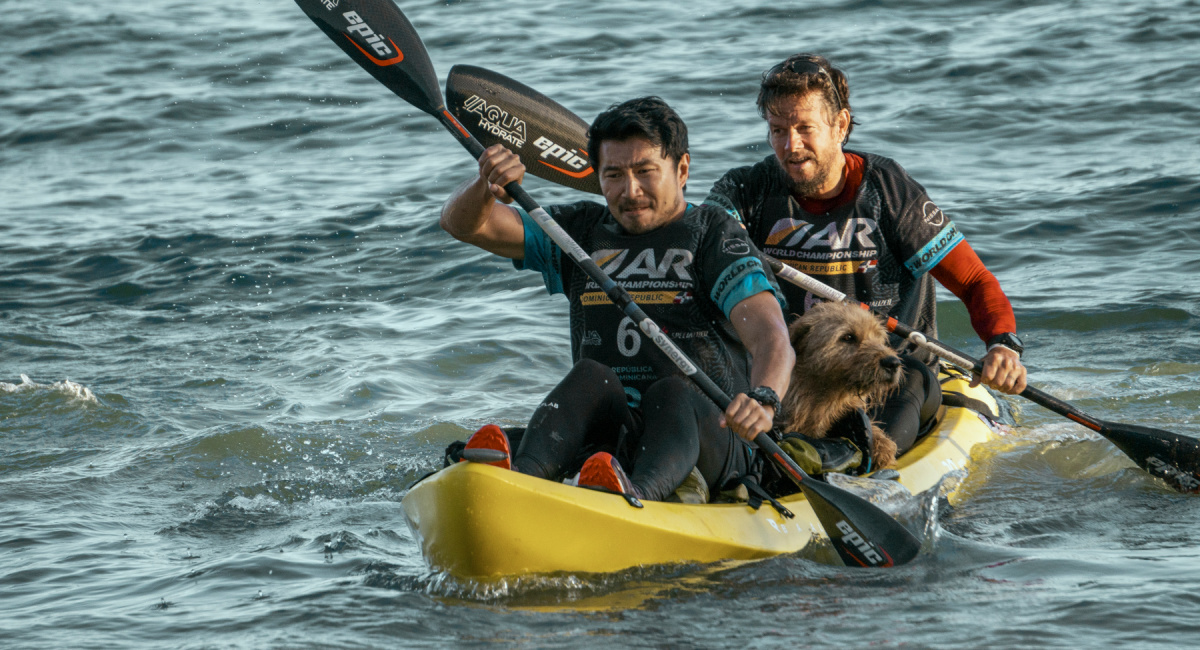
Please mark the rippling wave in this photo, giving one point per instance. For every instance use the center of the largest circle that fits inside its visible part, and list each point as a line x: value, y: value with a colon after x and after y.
x: 232, y: 333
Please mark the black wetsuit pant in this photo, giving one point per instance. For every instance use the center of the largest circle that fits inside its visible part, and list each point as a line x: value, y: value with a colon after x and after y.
x: 674, y: 429
x: 907, y: 411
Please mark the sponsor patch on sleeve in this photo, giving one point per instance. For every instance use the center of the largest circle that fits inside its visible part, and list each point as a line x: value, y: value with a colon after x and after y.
x: 735, y: 246
x: 740, y: 280
x: 932, y: 253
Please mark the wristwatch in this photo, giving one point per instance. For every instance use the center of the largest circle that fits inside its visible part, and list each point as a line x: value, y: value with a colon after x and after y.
x: 1008, y: 340
x: 766, y: 396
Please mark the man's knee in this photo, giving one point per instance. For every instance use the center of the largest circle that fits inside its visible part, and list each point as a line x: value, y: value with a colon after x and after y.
x: 590, y: 370
x: 672, y: 392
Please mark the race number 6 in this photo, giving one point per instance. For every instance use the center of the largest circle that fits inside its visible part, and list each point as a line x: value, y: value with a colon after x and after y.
x: 629, y: 339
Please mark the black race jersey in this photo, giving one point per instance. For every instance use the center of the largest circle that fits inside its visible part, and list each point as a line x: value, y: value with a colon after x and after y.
x: 686, y: 275
x: 878, y: 249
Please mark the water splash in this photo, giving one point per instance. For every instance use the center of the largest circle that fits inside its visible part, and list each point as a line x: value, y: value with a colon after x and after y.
x: 65, y: 387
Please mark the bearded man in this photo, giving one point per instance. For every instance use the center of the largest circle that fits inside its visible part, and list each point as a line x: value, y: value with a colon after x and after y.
x: 694, y: 271
x: 858, y: 222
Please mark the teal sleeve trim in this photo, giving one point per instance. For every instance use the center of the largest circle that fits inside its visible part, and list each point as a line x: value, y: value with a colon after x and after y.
x: 540, y: 254
x: 740, y: 280
x: 933, y: 252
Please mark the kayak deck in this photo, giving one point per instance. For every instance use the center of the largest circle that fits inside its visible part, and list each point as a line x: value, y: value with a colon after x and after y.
x: 476, y: 521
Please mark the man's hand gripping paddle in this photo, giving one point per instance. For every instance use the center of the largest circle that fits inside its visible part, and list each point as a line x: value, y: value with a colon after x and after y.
x: 380, y: 39
x: 1172, y: 457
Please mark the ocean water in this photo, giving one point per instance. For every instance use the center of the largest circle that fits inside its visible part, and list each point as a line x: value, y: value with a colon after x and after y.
x: 232, y: 333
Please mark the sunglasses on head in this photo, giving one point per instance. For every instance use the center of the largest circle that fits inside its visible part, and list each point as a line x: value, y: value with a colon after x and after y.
x: 805, y: 66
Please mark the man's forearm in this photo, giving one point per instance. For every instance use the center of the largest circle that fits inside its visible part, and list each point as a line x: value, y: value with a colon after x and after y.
x: 773, y: 360
x: 759, y: 323
x: 467, y: 210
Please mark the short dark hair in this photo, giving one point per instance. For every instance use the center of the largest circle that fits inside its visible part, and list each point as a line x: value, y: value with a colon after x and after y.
x: 800, y: 74
x: 645, y: 117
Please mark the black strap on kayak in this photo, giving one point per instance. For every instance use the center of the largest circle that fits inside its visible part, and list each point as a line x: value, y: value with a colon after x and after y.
x: 757, y: 495
x: 952, y: 398
x: 952, y: 373
x: 453, y: 453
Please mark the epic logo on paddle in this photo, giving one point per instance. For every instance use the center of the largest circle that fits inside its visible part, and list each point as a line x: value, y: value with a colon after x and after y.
x: 552, y: 150
x: 851, y: 536
x: 1171, y: 474
x: 497, y: 121
x: 388, y: 54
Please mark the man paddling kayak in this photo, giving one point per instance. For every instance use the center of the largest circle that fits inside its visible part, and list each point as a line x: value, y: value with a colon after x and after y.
x: 859, y: 223
x: 691, y: 268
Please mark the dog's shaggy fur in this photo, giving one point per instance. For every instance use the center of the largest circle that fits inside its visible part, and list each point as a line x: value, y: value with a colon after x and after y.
x: 843, y: 362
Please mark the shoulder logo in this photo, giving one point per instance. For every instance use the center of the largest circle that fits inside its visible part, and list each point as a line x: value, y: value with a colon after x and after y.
x: 330, y: 4
x: 932, y: 215
x: 734, y: 246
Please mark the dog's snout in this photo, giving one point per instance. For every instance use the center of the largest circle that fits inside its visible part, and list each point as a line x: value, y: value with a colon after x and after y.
x: 890, y: 362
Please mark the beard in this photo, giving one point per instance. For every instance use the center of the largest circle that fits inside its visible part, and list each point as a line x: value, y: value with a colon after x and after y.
x: 812, y: 185
x: 642, y: 224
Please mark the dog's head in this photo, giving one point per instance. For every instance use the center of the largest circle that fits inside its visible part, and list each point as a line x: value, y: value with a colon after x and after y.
x: 846, y: 349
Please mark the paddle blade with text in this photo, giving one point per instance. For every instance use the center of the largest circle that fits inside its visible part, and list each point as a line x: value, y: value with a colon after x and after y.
x: 381, y: 40
x: 550, y: 140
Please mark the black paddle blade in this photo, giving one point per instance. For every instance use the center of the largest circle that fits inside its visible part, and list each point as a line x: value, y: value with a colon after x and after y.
x: 381, y: 40
x: 861, y: 533
x: 550, y: 140
x: 1169, y: 456
x: 866, y: 539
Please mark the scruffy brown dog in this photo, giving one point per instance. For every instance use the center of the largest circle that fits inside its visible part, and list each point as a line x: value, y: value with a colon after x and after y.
x: 843, y: 362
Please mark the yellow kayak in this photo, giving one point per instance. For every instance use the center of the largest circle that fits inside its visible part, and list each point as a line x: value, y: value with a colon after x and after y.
x: 480, y: 522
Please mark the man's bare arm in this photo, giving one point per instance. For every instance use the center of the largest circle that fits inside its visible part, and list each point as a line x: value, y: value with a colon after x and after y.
x: 472, y: 215
x: 759, y: 323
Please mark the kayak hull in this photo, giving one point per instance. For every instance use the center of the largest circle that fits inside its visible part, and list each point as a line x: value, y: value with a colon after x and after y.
x: 480, y: 522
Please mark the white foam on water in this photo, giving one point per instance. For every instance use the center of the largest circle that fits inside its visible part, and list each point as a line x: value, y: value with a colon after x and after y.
x: 66, y: 387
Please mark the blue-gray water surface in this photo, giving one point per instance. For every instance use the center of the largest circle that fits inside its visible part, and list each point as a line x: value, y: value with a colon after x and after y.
x: 232, y: 333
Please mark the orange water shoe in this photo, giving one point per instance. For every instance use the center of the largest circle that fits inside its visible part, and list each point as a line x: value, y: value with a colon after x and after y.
x: 602, y: 471
x: 489, y: 445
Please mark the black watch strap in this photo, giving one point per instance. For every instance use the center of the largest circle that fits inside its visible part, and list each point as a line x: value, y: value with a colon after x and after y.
x: 766, y: 396
x: 1008, y: 340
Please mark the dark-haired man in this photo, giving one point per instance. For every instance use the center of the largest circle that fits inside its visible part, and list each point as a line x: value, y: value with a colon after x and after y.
x: 859, y: 223
x: 694, y: 272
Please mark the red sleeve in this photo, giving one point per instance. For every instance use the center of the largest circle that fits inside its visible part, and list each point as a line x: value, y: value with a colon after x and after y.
x: 963, y: 273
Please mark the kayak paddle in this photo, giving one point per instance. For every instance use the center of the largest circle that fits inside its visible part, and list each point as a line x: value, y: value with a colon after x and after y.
x: 377, y: 36
x: 1172, y: 457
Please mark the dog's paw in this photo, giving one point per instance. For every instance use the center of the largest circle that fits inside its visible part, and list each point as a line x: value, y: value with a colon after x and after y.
x: 883, y: 449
